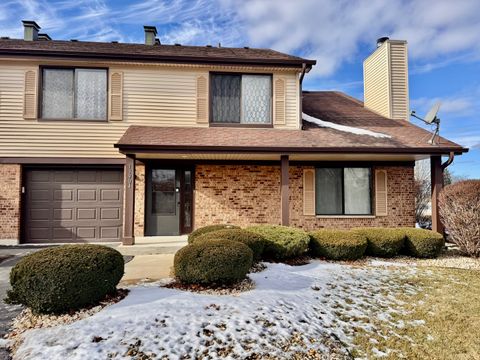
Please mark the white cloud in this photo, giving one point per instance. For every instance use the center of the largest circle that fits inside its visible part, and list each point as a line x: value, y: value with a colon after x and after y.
x: 457, y: 106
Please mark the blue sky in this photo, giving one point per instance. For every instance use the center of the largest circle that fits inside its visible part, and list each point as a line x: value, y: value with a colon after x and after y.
x: 443, y: 38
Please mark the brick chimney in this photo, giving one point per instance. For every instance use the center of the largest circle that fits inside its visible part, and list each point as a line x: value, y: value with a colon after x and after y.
x: 150, y: 35
x: 30, y: 30
x: 385, y: 76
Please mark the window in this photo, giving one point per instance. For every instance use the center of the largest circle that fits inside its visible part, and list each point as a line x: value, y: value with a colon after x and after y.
x: 343, y: 191
x: 74, y: 94
x: 241, y: 99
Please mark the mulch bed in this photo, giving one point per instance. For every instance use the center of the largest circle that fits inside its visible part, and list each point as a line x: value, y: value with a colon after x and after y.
x: 214, y: 289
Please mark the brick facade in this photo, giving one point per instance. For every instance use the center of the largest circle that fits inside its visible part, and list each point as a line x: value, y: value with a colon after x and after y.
x: 10, y: 194
x: 138, y: 227
x: 250, y: 194
x: 401, y: 203
x: 237, y: 194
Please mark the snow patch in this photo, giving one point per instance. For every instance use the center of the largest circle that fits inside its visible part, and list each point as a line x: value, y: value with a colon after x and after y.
x: 344, y: 128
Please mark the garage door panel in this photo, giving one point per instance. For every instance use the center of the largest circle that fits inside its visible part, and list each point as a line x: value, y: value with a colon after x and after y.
x: 73, y: 205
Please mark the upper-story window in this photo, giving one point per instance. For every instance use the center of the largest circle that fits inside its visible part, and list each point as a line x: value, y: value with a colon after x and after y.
x: 343, y: 191
x: 244, y: 99
x: 74, y: 94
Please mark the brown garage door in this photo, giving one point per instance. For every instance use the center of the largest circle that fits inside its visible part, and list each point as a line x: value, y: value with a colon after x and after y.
x: 73, y: 205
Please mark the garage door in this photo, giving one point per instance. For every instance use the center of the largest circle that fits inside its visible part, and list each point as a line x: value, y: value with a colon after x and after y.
x: 73, y: 205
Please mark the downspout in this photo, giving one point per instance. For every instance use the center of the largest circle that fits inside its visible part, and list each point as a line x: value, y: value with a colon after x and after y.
x: 302, y: 75
x: 451, y: 156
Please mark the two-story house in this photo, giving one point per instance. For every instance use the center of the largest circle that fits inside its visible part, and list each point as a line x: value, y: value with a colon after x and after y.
x: 108, y: 141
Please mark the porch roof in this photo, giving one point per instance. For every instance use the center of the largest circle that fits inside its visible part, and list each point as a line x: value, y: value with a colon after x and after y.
x: 384, y: 136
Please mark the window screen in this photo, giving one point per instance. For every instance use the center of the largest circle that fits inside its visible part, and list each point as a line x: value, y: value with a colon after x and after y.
x: 226, y: 98
x: 74, y: 94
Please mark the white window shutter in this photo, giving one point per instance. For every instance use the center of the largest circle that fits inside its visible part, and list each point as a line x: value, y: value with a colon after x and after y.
x: 30, y: 95
x: 279, y: 101
x: 309, y: 192
x: 202, y: 100
x: 381, y: 196
x: 116, y: 96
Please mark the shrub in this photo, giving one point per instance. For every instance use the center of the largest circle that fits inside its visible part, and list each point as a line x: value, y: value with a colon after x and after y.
x: 282, y: 242
x: 254, y: 241
x: 64, y: 278
x: 338, y: 244
x: 460, y: 212
x: 383, y: 242
x: 423, y: 243
x: 209, y: 228
x: 213, y: 262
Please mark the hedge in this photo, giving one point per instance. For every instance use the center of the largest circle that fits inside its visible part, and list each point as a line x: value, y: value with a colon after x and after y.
x: 213, y: 262
x: 282, y: 242
x: 423, y: 243
x: 383, y: 242
x: 337, y: 244
x: 254, y: 241
x: 65, y: 278
x: 209, y: 228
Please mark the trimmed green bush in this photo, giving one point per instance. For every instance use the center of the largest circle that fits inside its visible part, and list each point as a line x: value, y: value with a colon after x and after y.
x: 383, y: 242
x: 337, y: 244
x: 423, y: 243
x: 254, y: 241
x: 209, y: 228
x: 282, y: 242
x: 213, y: 262
x: 64, y: 278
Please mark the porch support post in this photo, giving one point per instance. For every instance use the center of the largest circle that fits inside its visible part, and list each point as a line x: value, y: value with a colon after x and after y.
x: 129, y: 200
x: 284, y: 194
x: 436, y: 173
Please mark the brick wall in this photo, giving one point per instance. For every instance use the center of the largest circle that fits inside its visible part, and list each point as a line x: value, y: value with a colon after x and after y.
x: 138, y: 228
x: 401, y: 202
x: 237, y: 194
x: 248, y: 194
x: 10, y: 187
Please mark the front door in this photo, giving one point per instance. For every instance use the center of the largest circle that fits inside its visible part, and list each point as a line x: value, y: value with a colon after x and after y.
x: 169, y: 201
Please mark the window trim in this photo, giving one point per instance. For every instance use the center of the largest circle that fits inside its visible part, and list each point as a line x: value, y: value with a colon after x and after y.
x: 237, y: 125
x: 343, y: 214
x: 62, y: 67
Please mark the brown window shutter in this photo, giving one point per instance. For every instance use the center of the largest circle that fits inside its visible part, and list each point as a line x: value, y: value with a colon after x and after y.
x: 30, y: 95
x: 381, y: 208
x: 202, y: 100
x: 309, y: 192
x: 279, y: 103
x: 116, y: 96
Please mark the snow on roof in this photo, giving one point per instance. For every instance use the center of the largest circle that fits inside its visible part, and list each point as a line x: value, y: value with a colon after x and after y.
x: 344, y: 128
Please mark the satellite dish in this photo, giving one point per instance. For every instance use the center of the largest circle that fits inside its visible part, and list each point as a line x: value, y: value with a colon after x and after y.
x: 432, y: 113
x: 431, y: 118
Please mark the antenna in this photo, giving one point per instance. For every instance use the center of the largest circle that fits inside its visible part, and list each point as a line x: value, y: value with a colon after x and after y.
x: 431, y: 118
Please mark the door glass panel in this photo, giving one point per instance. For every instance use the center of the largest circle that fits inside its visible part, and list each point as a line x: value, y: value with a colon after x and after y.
x: 163, y: 192
x: 187, y: 206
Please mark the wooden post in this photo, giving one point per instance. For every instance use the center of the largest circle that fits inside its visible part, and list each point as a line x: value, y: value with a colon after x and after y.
x: 436, y: 173
x: 129, y: 201
x: 284, y: 194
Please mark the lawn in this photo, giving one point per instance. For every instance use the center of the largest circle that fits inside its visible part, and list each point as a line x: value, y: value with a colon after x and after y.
x: 312, y: 311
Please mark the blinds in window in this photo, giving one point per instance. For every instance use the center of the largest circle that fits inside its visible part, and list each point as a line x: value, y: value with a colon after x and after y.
x: 226, y: 98
x: 90, y: 94
x: 57, y: 95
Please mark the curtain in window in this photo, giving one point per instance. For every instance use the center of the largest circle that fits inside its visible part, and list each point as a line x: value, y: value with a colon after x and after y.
x: 226, y: 98
x: 357, y: 191
x: 256, y: 99
x: 328, y: 191
x: 90, y: 94
x: 57, y: 95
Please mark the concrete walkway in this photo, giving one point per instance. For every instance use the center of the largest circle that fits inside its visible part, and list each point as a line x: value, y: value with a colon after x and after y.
x: 148, y: 268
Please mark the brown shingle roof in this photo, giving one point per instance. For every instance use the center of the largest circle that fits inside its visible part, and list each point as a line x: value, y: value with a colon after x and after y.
x: 329, y: 106
x: 161, y: 53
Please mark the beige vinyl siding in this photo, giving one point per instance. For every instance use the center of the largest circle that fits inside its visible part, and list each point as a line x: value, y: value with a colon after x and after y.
x: 155, y: 96
x: 386, y: 80
x: 399, y: 81
x: 376, y: 81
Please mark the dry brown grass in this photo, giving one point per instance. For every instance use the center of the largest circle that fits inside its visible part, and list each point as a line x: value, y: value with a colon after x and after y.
x: 440, y: 322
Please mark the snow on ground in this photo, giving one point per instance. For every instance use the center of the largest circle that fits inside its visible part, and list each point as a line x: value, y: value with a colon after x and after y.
x: 316, y: 303
x: 344, y: 128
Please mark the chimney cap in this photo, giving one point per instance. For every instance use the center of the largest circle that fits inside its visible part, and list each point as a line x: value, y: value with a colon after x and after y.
x: 150, y: 28
x: 31, y: 23
x: 381, y: 40
x: 44, y: 36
